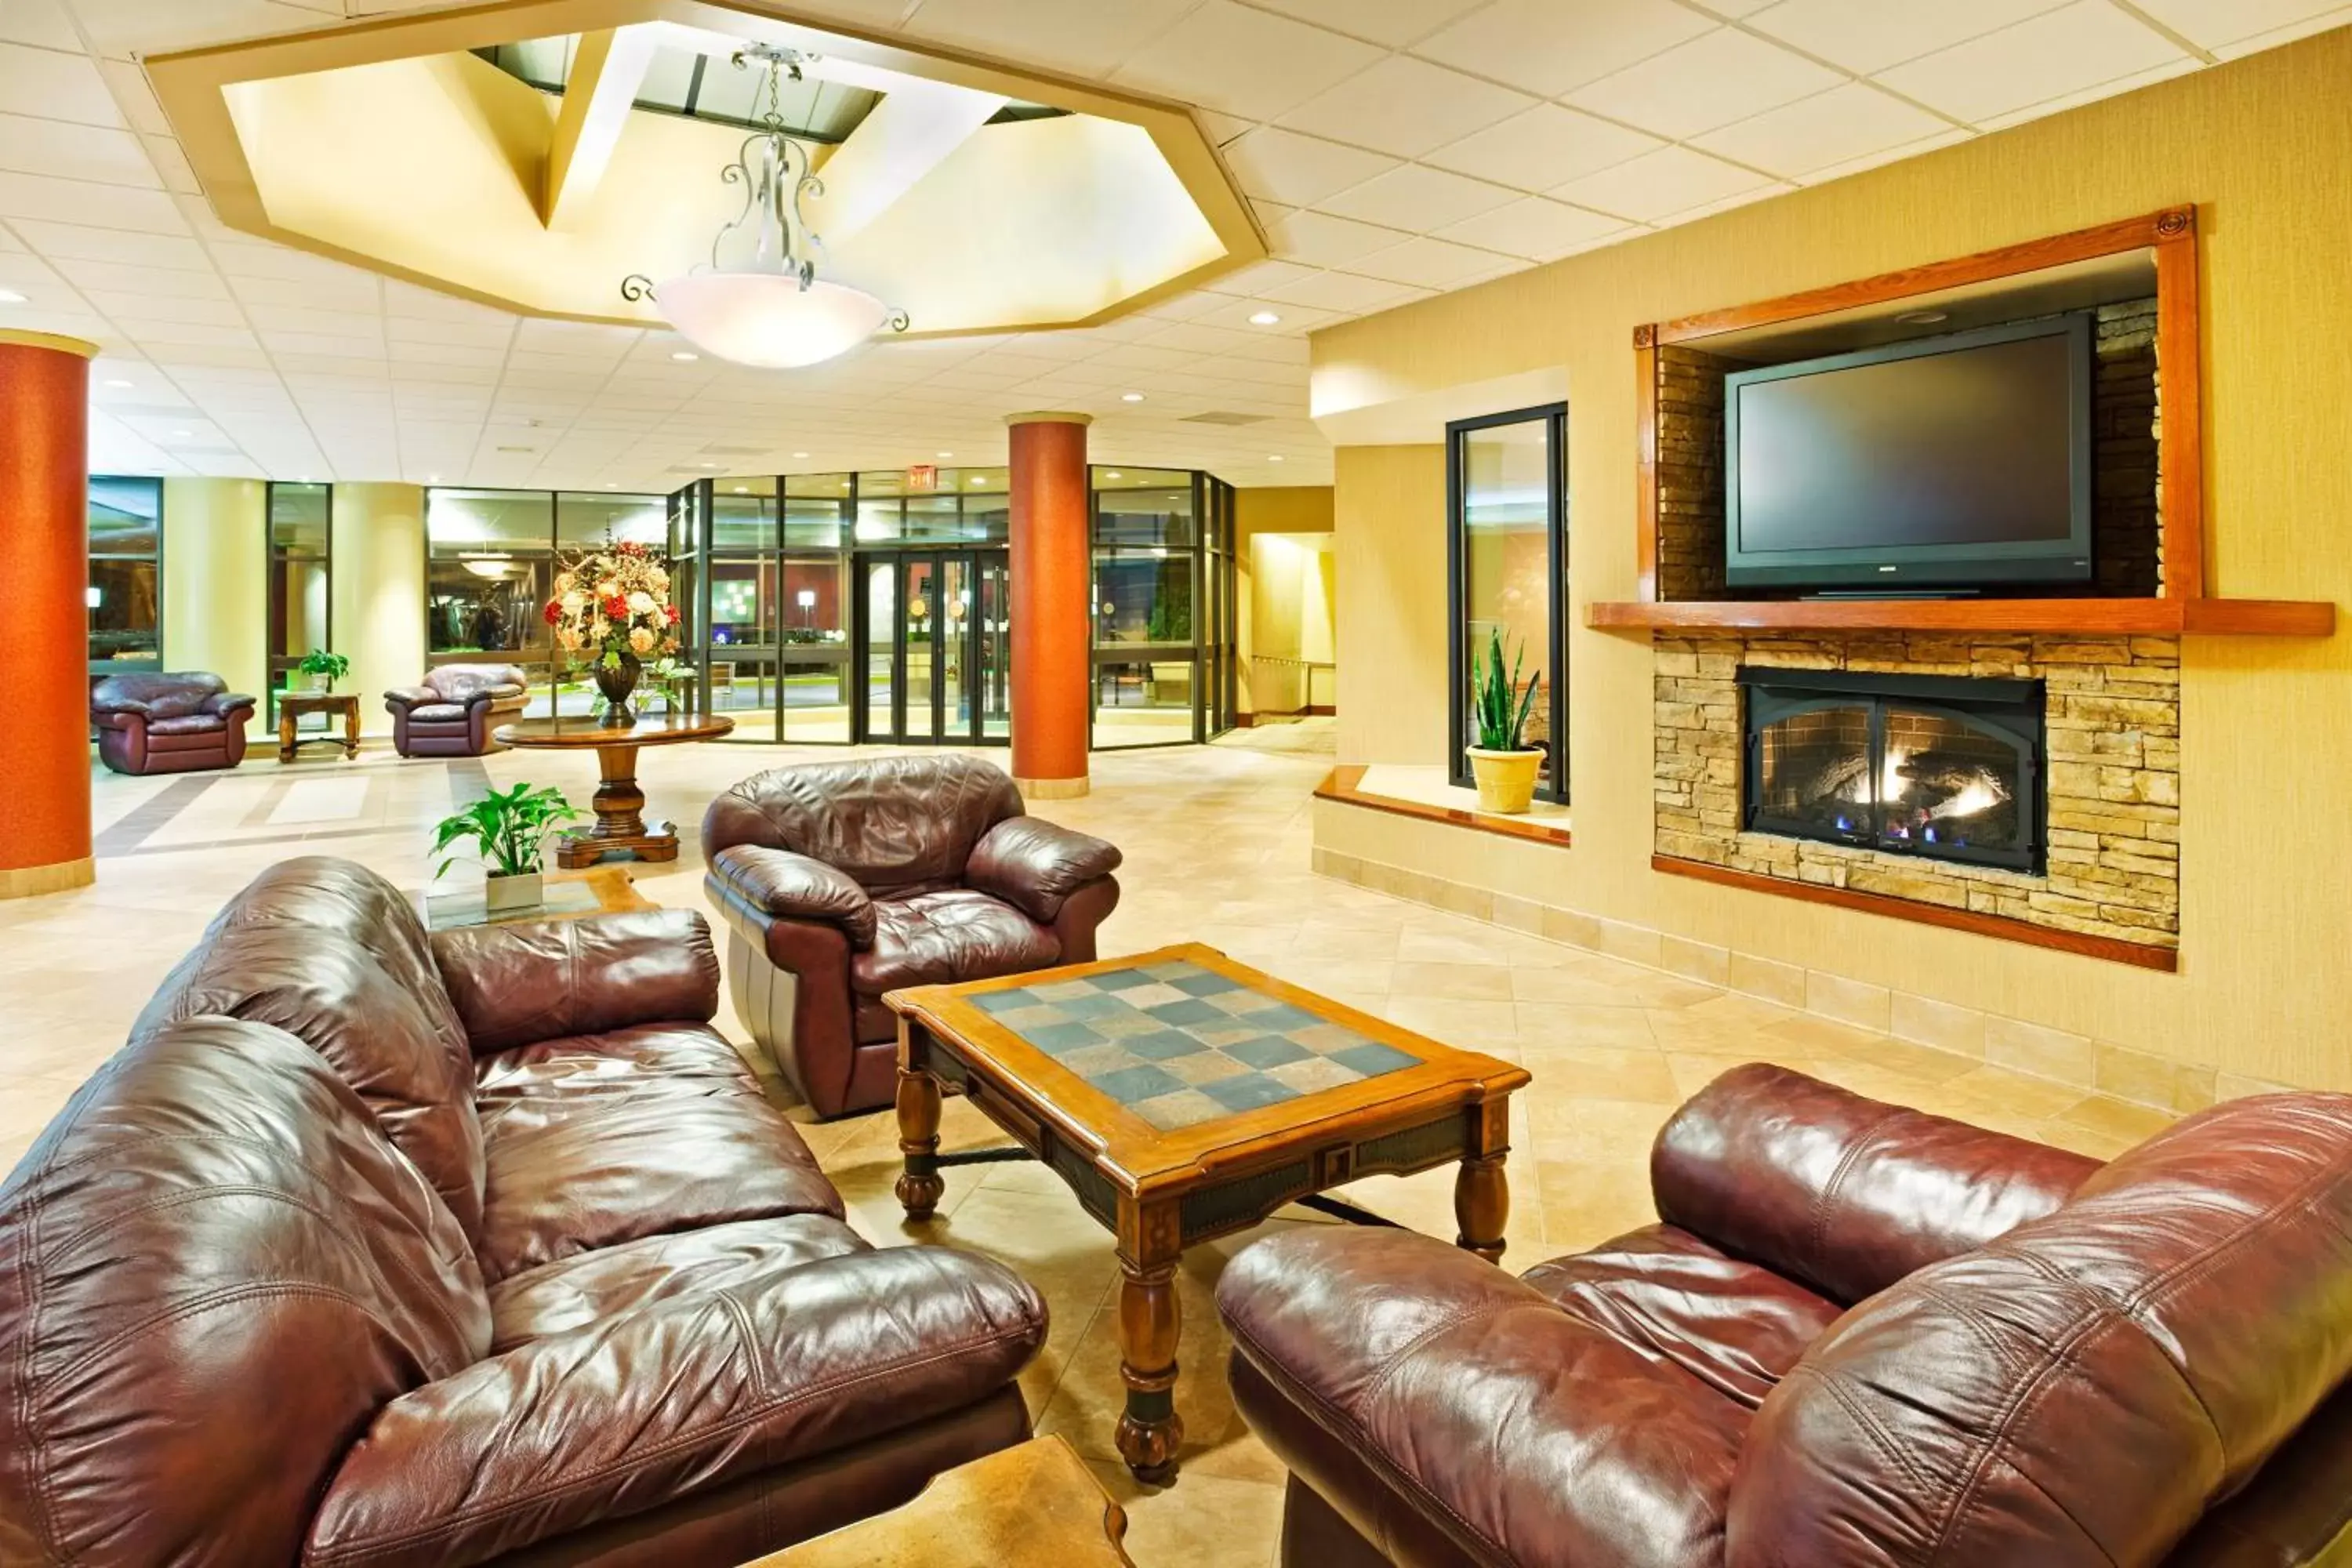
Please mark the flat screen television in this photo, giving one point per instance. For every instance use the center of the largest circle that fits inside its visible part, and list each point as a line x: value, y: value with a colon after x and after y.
x: 1960, y: 461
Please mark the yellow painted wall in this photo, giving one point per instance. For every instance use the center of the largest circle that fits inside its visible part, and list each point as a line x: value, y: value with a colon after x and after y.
x: 2264, y: 146
x: 378, y: 591
x: 216, y: 579
x: 1282, y: 508
x: 1271, y: 586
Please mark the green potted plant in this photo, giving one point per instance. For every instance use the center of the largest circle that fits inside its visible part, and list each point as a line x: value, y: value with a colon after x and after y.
x: 1500, y: 758
x: 322, y: 669
x: 509, y: 830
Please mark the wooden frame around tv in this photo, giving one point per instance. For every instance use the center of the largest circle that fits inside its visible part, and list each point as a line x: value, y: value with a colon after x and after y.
x: 2182, y: 604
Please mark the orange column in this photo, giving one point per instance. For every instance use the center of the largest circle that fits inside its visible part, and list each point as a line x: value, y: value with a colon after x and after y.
x: 45, y: 537
x: 1053, y: 603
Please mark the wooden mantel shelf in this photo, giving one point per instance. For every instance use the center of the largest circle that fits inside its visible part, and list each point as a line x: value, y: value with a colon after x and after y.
x: 2112, y: 617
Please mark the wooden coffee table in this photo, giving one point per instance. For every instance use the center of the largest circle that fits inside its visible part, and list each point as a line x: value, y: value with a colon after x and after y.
x: 1182, y: 1096
x: 1033, y: 1506
x: 292, y: 705
x: 621, y: 827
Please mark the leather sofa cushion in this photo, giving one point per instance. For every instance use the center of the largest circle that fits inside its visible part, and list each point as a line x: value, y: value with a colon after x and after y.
x: 1734, y: 1326
x: 437, y: 713
x: 542, y: 980
x: 604, y: 1139
x: 187, y: 724
x: 2092, y: 1382
x: 591, y: 1286
x: 685, y: 1394
x: 939, y: 938
x: 213, y: 1270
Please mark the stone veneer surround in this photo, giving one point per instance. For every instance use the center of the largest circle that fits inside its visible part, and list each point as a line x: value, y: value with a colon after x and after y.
x: 2112, y: 774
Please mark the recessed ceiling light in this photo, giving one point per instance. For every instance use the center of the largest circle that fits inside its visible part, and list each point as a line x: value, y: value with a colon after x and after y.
x: 10, y: 296
x: 1130, y: 397
x: 432, y: 478
x: 979, y: 478
x: 946, y: 453
x: 118, y: 382
x: 686, y: 356
x: 609, y: 486
x: 1114, y: 474
x: 742, y: 490
x: 1274, y: 456
x: 1264, y: 319
x: 183, y: 435
x: 706, y: 464
x: 799, y: 456
x: 301, y: 478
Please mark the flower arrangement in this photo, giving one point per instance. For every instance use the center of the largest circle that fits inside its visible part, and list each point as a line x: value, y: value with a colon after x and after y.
x: 613, y: 606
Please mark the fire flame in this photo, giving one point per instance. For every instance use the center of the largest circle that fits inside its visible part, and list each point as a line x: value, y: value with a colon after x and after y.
x: 1980, y: 794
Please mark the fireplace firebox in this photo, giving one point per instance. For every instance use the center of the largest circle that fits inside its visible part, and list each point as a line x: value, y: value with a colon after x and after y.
x: 1938, y: 766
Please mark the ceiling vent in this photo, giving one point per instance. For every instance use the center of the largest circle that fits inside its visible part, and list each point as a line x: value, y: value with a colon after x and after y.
x: 518, y: 448
x: 1222, y: 418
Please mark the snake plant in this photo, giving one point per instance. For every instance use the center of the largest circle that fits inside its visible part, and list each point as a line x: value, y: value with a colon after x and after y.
x: 1498, y: 702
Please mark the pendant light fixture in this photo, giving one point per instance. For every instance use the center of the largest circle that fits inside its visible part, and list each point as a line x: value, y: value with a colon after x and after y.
x: 760, y: 301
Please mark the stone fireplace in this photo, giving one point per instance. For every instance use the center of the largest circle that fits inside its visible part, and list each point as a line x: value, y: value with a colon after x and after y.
x: 1942, y: 767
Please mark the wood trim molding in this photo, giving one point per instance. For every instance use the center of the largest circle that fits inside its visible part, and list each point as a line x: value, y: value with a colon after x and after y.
x: 2170, y: 616
x: 1343, y: 784
x: 2000, y: 926
x: 2181, y: 421
x: 1645, y: 447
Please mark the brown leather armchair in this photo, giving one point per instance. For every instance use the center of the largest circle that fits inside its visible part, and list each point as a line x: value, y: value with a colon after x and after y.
x: 843, y: 881
x: 371, y: 1248
x: 169, y: 724
x: 453, y: 714
x: 1860, y: 1337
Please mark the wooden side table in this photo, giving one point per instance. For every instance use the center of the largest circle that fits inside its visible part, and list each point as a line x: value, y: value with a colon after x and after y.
x: 1034, y: 1506
x: 292, y: 705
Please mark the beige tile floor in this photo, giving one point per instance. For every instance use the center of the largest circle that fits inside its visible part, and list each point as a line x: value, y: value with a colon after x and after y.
x: 1216, y: 841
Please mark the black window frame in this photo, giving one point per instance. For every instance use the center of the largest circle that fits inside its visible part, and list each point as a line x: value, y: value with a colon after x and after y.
x: 1457, y: 714
x: 273, y: 662
x: 102, y: 667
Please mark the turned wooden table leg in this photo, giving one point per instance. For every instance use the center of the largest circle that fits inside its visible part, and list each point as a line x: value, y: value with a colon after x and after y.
x: 1149, y: 1431
x: 285, y: 733
x: 1482, y: 1206
x: 919, y: 1186
x: 351, y: 730
x: 620, y: 807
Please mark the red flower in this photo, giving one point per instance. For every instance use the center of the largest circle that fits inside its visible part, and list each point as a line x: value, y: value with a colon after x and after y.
x: 671, y: 611
x: 553, y: 612
x: 630, y: 547
x: 616, y: 608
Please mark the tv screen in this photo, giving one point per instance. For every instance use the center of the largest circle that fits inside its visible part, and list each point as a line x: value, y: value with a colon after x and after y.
x: 1954, y: 461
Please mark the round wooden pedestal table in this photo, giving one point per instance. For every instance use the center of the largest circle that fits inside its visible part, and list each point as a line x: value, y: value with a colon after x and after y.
x: 621, y: 826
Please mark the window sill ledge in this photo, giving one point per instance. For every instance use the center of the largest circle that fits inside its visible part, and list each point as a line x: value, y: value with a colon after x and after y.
x: 1424, y: 793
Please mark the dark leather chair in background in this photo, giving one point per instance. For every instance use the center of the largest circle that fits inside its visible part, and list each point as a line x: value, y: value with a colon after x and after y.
x: 1860, y: 1337
x: 153, y: 723
x: 453, y: 714
x: 375, y: 1249
x: 843, y: 881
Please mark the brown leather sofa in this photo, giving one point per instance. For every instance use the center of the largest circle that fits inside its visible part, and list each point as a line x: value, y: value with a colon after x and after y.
x: 156, y: 723
x: 1860, y: 1337
x: 370, y: 1249
x: 453, y: 714
x: 843, y: 881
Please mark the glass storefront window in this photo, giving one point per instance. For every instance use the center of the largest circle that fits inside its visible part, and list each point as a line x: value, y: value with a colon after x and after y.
x: 590, y: 522
x: 299, y: 583
x: 1509, y: 562
x: 1143, y: 595
x: 743, y: 514
x: 126, y: 549
x: 1143, y: 506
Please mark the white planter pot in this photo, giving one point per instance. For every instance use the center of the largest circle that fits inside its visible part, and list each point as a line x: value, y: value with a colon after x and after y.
x: 321, y: 682
x: 1506, y: 780
x: 502, y: 895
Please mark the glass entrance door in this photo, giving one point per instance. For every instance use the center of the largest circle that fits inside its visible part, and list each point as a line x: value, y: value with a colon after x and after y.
x: 934, y: 641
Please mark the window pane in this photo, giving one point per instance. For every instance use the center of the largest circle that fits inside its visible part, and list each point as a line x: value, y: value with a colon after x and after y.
x: 1143, y: 702
x: 813, y: 523
x: 122, y: 610
x: 1143, y: 506
x: 587, y: 521
x: 1506, y: 563
x: 934, y: 517
x: 487, y: 606
x: 1143, y: 595
x: 457, y: 521
x: 297, y: 519
x: 742, y: 521
x: 297, y: 603
x: 126, y: 516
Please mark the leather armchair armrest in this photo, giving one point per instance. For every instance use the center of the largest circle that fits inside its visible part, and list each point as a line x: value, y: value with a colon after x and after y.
x: 786, y: 885
x: 1033, y: 865
x: 405, y: 697
x: 119, y: 718
x: 673, y: 1399
x: 226, y: 704
x: 1392, y: 1369
x: 543, y: 980
x: 1846, y: 1193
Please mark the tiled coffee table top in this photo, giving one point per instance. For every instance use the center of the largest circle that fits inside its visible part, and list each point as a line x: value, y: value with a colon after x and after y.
x: 1178, y: 1045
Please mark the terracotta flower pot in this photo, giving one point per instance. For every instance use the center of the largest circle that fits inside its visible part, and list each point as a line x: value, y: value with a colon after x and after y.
x: 1506, y: 780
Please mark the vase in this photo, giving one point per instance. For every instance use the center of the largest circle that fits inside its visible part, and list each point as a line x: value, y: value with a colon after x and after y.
x: 504, y: 895
x: 1506, y: 780
x: 616, y: 684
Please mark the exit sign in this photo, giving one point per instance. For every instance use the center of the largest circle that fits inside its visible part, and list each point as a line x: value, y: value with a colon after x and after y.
x: 922, y: 477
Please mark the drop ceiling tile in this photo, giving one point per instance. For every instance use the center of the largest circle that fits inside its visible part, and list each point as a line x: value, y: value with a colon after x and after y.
x: 1226, y: 57
x: 1712, y: 80
x: 38, y: 196
x: 1428, y: 263
x: 1222, y: 128
x: 1823, y: 176
x: 172, y: 165
x: 147, y: 283
x: 1536, y: 228
x: 2334, y: 16
x: 1828, y: 129
x: 2064, y: 51
x: 1538, y: 150
x: 1659, y: 184
x: 1418, y: 199
x: 1867, y: 35
x: 1283, y: 166
x: 65, y: 241
x: 1295, y: 322
x: 2180, y: 65
x: 1318, y: 239
x: 1085, y: 37
x: 164, y: 308
x: 1393, y: 23
x: 1406, y: 107
x: 1347, y: 294
x: 52, y: 85
x: 1546, y: 47
x: 41, y: 23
